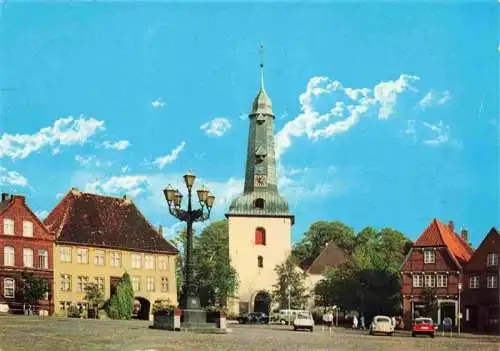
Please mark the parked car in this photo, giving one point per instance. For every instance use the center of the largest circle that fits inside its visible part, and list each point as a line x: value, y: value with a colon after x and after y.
x: 303, y: 320
x: 381, y: 325
x: 254, y: 318
x: 423, y: 326
x: 288, y: 316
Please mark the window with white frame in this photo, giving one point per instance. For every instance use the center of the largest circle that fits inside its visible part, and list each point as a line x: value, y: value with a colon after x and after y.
x: 27, y: 229
x: 81, y: 283
x: 163, y: 263
x: 116, y: 259
x: 8, y: 226
x: 150, y: 286
x: 99, y: 257
x: 164, y: 284
x: 136, y: 283
x: 9, y: 256
x: 149, y: 262
x: 99, y: 281
x: 429, y: 256
x: 65, y: 254
x: 442, y: 281
x: 136, y: 261
x: 9, y: 288
x: 430, y: 281
x: 474, y: 282
x: 418, y: 281
x: 27, y: 257
x: 491, y: 282
x: 65, y: 282
x: 82, y: 255
x: 43, y: 259
x: 492, y: 259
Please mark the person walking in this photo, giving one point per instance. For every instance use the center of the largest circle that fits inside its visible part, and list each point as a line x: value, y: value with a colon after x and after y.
x: 329, y: 321
x: 354, y: 322
x: 362, y: 320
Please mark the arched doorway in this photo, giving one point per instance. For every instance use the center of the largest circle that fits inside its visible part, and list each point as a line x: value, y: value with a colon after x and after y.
x: 262, y: 302
x: 141, y: 308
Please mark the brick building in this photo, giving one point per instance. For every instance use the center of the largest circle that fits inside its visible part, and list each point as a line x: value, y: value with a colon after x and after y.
x: 480, y: 298
x: 26, y: 247
x: 436, y: 261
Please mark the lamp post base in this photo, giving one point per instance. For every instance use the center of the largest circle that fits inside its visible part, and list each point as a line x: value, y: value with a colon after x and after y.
x: 195, y: 318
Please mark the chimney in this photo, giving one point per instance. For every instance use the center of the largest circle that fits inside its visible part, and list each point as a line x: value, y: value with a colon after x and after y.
x: 20, y: 197
x: 127, y: 199
x: 451, y: 226
x: 5, y: 197
x: 75, y: 191
x: 465, y: 235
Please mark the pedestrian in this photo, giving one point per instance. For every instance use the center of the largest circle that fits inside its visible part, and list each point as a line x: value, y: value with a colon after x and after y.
x: 362, y: 320
x: 393, y: 320
x: 354, y: 322
x: 329, y: 321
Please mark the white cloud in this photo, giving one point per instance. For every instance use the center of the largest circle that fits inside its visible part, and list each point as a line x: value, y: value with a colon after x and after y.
x: 433, y: 98
x: 386, y: 93
x: 65, y: 131
x: 12, y: 178
x: 117, y: 145
x: 125, y: 169
x: 411, y: 129
x: 130, y: 185
x: 441, y: 133
x: 84, y: 160
x: 309, y: 184
x: 56, y: 151
x: 162, y: 161
x: 42, y: 214
x: 59, y: 195
x: 349, y: 105
x: 158, y: 103
x: 216, y: 127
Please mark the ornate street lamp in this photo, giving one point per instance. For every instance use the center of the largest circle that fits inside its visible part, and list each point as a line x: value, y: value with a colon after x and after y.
x: 192, y: 313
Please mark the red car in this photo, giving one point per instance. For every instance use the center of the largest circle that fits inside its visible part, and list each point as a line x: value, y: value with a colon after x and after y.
x: 423, y: 326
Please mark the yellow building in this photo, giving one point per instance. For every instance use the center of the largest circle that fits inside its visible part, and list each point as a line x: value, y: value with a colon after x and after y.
x: 98, y: 238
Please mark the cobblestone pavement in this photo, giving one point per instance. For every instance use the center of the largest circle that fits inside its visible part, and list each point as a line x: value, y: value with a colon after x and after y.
x: 53, y: 334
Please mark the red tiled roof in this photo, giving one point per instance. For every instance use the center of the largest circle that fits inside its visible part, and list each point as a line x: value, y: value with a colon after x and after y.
x: 439, y: 234
x: 97, y: 220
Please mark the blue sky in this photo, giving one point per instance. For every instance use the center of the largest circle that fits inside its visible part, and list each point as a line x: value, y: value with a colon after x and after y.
x: 386, y: 114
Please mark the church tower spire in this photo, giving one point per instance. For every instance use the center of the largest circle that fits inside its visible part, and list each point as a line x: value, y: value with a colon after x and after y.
x: 260, y: 195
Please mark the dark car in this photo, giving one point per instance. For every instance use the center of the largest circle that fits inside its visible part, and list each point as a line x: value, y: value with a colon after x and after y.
x: 254, y: 318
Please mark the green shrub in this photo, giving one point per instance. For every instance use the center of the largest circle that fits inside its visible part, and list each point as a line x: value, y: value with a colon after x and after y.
x: 121, y: 303
x: 163, y: 307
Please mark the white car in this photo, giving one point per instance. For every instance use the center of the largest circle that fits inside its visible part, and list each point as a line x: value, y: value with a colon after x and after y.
x: 303, y: 320
x: 381, y: 325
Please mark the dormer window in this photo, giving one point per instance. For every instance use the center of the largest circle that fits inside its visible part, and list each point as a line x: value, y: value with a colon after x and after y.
x: 429, y: 256
x: 259, y: 203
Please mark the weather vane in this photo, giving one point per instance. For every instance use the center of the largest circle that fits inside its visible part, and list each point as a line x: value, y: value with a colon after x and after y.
x: 261, y: 52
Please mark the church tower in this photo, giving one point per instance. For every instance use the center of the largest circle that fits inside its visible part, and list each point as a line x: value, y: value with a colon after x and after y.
x: 260, y: 224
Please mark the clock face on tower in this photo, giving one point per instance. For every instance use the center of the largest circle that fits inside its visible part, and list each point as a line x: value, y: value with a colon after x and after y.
x: 260, y: 180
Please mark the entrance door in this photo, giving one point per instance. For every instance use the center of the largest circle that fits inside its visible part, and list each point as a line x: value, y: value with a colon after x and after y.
x: 262, y: 302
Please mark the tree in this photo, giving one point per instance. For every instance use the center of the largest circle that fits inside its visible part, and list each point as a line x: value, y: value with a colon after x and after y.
x: 217, y: 279
x: 179, y: 242
x: 94, y: 296
x: 290, y: 276
x: 318, y: 234
x: 34, y: 288
x: 121, y: 302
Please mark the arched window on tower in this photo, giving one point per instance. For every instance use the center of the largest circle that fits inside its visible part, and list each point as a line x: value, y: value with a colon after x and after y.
x: 260, y: 236
x: 259, y: 203
x: 260, y: 261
